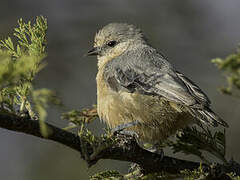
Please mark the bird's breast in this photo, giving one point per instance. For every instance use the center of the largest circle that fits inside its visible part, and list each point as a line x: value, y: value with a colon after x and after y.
x: 158, y: 117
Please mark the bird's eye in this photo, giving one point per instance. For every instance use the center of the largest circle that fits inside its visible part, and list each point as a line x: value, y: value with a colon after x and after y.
x: 111, y: 43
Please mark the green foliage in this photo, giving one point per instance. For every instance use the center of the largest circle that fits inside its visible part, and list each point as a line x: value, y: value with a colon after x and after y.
x: 233, y: 176
x: 77, y: 118
x: 194, y: 141
x: 108, y: 175
x: 20, y: 62
x: 160, y: 176
x: 195, y: 174
x: 231, y: 68
x: 41, y: 98
x: 201, y: 174
x: 31, y: 39
x: 114, y: 175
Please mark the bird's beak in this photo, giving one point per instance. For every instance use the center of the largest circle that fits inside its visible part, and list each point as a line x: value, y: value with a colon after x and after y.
x: 93, y: 52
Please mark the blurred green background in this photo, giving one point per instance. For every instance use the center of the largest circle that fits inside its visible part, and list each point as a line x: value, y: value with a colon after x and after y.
x: 190, y: 33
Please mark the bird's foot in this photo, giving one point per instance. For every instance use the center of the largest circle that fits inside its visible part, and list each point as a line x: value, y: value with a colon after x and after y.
x: 154, y: 148
x: 121, y: 127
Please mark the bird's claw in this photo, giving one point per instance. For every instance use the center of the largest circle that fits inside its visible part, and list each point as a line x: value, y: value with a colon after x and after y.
x: 120, y: 128
x: 124, y: 126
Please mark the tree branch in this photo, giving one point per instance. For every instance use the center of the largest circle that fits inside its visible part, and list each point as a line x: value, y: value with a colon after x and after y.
x: 31, y: 127
x: 125, y: 149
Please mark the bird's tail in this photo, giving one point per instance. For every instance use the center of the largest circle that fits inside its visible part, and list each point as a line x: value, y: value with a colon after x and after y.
x: 207, y: 116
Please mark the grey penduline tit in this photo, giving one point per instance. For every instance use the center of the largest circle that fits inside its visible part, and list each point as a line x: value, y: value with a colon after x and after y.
x: 136, y: 83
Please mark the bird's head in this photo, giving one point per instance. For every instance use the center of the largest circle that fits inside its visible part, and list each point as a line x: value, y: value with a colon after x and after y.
x: 114, y: 39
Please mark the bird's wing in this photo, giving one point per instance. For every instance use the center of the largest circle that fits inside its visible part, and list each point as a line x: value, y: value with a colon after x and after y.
x: 194, y: 90
x: 163, y: 82
x: 174, y: 87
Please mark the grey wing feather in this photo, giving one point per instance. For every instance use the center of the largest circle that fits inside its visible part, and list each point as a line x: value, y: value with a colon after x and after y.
x: 204, y: 114
x: 194, y: 90
x: 159, y: 84
x: 164, y: 82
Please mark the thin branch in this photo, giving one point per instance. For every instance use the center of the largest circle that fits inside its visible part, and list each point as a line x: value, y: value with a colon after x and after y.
x: 125, y: 149
x: 31, y: 127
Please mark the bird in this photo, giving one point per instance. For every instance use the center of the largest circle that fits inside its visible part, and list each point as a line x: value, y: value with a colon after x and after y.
x: 137, y: 85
